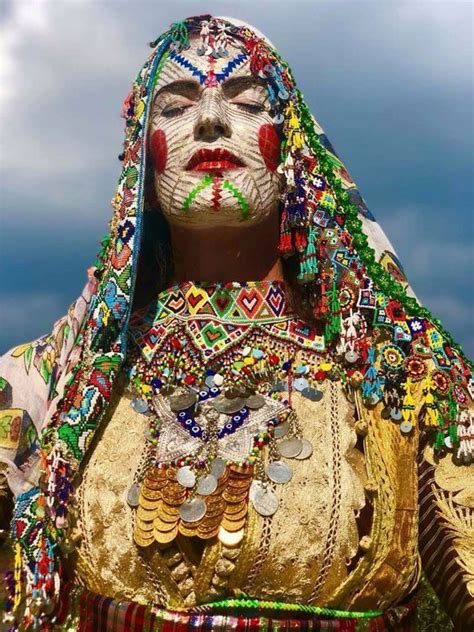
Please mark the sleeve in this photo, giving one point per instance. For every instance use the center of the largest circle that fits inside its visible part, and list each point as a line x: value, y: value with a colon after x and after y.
x: 446, y: 536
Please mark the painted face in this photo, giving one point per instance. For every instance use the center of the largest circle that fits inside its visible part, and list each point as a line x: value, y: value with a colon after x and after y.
x: 214, y: 147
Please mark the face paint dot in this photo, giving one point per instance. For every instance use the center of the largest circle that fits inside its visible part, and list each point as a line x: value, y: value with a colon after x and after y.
x: 269, y: 144
x: 158, y: 150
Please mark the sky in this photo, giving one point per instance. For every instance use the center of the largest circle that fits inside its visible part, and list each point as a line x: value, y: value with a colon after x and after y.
x: 391, y: 83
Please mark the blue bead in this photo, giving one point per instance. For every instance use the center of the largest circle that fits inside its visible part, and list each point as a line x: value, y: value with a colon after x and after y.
x: 156, y: 382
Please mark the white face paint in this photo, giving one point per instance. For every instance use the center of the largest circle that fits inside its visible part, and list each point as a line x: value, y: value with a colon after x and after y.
x: 212, y: 140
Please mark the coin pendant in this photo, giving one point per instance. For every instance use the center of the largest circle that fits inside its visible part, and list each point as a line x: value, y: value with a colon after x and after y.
x: 307, y: 450
x: 218, y: 467
x: 228, y: 405
x: 279, y: 472
x: 406, y: 427
x: 133, y: 495
x: 139, y: 405
x: 281, y: 430
x: 290, y: 448
x: 192, y: 510
x: 255, y: 401
x: 182, y: 402
x: 395, y: 414
x: 207, y: 485
x: 230, y: 539
x: 265, y: 502
x: 185, y: 476
x: 312, y: 394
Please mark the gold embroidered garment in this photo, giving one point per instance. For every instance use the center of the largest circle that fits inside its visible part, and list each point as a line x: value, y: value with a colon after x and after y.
x: 345, y: 532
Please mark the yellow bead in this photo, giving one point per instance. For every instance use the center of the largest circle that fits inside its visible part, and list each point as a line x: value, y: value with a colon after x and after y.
x: 249, y: 360
x: 325, y: 366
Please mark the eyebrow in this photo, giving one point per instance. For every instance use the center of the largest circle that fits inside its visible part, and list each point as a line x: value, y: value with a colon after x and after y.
x: 234, y: 85
x: 184, y: 87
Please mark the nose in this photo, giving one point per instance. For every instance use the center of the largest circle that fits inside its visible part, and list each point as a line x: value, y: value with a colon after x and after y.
x: 212, y: 121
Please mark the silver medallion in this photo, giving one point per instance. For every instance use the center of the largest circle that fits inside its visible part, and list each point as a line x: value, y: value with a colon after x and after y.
x: 351, y: 357
x: 290, y: 447
x: 279, y: 472
x: 182, y: 401
x: 395, y: 414
x: 228, y: 405
x: 218, y: 467
x: 300, y: 383
x: 281, y: 430
x: 133, y: 495
x: 193, y: 510
x: 207, y: 485
x: 307, y: 450
x: 265, y: 502
x: 255, y: 401
x: 186, y: 477
x: 139, y: 405
x: 406, y: 427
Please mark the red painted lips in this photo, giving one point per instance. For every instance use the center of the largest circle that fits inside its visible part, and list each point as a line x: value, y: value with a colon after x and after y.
x: 214, y: 160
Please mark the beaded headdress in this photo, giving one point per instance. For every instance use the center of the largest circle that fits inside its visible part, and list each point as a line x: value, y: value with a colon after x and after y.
x: 356, y: 289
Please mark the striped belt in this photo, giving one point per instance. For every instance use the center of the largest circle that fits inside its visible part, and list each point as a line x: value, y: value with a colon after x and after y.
x: 87, y: 612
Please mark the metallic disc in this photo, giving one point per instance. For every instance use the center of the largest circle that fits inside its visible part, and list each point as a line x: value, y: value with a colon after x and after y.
x: 182, y: 401
x: 300, y: 383
x: 133, y: 495
x: 265, y: 502
x: 230, y: 539
x: 193, y: 510
x: 279, y: 387
x: 395, y: 414
x: 290, y: 447
x: 255, y: 487
x: 351, y: 357
x: 307, y: 450
x: 312, y: 394
x: 279, y: 472
x: 228, y: 405
x: 139, y: 405
x: 255, y: 401
x: 406, y: 427
x: 185, y: 476
x: 218, y: 467
x: 207, y: 485
x: 281, y: 430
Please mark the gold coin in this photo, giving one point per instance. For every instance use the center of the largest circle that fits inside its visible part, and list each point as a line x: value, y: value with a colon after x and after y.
x: 230, y: 539
x: 232, y: 508
x: 141, y: 540
x: 153, y: 485
x: 238, y: 515
x: 207, y: 535
x: 166, y: 537
x: 232, y: 526
x: 174, y: 502
x: 150, y: 494
x: 143, y: 526
x: 146, y: 514
x: 171, y: 512
x: 148, y: 504
x: 161, y: 525
x: 188, y: 532
x: 171, y: 473
x: 167, y: 517
x: 156, y: 473
x: 239, y: 470
x: 230, y: 497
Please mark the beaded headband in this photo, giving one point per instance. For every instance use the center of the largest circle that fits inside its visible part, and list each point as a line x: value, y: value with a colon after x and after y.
x: 350, y: 291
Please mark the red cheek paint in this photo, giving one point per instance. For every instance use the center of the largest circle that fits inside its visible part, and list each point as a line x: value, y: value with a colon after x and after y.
x: 269, y: 145
x: 159, y: 150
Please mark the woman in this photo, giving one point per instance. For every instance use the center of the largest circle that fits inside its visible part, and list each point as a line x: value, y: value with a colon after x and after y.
x: 239, y: 397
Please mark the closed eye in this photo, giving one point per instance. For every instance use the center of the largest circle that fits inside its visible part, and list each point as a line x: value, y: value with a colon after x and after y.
x: 170, y: 111
x: 254, y: 108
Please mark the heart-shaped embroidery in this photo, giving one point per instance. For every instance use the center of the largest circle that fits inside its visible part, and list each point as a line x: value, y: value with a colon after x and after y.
x: 250, y: 301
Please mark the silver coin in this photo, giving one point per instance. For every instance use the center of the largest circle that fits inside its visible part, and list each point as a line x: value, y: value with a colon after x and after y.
x: 290, y: 447
x: 255, y: 401
x: 406, y: 427
x: 209, y: 381
x: 395, y: 414
x: 300, y: 383
x: 228, y: 405
x: 218, y: 467
x: 281, y: 430
x: 186, y: 477
x: 279, y: 387
x: 182, y: 401
x: 193, y: 510
x: 256, y: 486
x: 133, y: 495
x: 307, y: 450
x: 139, y: 405
x: 312, y: 394
x: 206, y: 485
x: 279, y: 472
x: 265, y: 502
x: 351, y: 357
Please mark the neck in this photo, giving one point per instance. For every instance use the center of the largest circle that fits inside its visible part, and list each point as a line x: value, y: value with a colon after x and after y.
x: 227, y: 253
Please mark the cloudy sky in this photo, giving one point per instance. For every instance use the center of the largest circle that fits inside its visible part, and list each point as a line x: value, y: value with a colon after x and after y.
x: 391, y: 82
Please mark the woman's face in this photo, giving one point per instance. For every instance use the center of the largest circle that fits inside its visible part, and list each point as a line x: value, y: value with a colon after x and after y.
x: 212, y: 141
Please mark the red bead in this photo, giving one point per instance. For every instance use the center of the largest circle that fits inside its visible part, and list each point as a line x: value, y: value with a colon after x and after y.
x: 320, y: 376
x: 189, y: 379
x: 175, y: 343
x: 274, y: 359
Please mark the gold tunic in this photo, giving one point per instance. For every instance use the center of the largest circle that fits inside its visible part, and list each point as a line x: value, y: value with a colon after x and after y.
x: 312, y: 551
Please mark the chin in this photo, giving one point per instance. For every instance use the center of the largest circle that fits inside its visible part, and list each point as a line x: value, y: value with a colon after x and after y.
x: 225, y: 216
